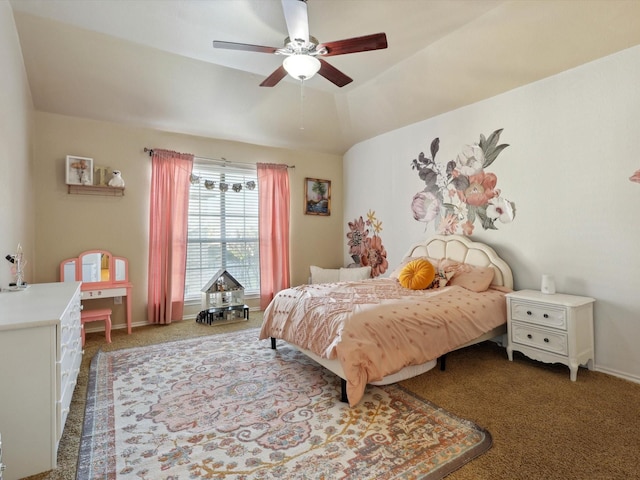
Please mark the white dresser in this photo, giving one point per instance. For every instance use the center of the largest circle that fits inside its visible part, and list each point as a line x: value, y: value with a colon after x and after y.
x: 551, y: 328
x: 40, y: 357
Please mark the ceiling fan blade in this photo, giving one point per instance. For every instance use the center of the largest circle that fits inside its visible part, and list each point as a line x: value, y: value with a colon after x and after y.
x: 244, y: 47
x: 295, y: 14
x: 376, y: 41
x: 332, y: 74
x: 273, y: 79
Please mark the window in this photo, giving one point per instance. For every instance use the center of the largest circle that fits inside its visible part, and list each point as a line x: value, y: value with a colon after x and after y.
x: 223, y: 227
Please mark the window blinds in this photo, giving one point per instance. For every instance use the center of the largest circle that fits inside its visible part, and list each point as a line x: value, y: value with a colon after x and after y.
x: 223, y: 227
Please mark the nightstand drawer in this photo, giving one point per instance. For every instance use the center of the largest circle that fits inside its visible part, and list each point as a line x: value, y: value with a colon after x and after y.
x: 542, y: 339
x: 544, y: 315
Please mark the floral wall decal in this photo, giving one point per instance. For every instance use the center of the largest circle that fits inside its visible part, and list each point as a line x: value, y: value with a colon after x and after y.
x: 367, y: 250
x: 458, y: 194
x: 635, y: 177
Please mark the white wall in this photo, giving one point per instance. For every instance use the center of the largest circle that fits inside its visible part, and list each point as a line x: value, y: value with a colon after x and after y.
x: 573, y: 145
x: 16, y: 110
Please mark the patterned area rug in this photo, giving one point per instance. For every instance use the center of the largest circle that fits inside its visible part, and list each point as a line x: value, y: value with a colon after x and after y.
x: 229, y: 407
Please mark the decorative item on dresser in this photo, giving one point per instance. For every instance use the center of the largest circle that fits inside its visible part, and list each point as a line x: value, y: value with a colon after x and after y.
x: 2, y: 465
x: 551, y: 328
x: 40, y: 357
x: 103, y: 275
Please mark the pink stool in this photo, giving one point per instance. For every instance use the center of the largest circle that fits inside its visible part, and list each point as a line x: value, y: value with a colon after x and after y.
x: 87, y: 316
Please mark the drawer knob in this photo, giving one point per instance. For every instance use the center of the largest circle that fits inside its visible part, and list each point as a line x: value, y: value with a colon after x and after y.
x: 546, y: 340
x: 529, y: 336
x: 528, y: 312
x: 546, y: 315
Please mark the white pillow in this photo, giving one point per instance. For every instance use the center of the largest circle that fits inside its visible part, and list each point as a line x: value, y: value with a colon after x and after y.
x: 355, y: 274
x: 324, y: 275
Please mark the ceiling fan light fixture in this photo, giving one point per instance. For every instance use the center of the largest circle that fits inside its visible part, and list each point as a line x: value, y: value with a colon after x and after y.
x: 301, y: 66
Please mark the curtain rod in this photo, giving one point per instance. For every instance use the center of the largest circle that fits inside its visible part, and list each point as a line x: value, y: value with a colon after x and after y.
x: 222, y: 160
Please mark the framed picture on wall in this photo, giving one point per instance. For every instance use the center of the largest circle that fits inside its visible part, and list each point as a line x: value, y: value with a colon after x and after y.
x: 317, y: 196
x: 79, y: 170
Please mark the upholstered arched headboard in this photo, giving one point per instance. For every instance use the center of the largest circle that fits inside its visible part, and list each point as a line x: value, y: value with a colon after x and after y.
x: 461, y: 249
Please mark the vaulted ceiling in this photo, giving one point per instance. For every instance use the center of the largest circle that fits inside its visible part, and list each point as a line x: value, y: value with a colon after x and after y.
x: 150, y: 63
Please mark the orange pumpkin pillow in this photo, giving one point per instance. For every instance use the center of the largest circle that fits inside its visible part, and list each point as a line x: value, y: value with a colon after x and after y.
x: 417, y: 274
x: 396, y: 273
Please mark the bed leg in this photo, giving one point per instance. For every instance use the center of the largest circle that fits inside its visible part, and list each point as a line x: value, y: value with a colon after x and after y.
x: 343, y: 391
x: 443, y: 362
x: 273, y: 343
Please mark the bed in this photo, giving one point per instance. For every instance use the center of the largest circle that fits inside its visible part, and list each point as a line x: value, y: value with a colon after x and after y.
x: 377, y: 332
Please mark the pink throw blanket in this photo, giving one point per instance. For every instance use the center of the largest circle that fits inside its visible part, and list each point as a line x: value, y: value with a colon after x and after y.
x: 376, y: 327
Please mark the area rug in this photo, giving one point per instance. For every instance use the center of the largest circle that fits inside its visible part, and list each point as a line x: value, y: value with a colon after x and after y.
x: 227, y: 406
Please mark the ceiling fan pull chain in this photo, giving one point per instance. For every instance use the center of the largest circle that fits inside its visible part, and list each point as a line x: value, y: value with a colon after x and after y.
x: 302, y: 103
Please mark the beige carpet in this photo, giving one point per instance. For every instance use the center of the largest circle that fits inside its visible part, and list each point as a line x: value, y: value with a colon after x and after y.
x: 543, y: 425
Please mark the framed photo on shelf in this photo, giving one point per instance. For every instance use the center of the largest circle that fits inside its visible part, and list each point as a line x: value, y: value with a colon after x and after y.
x: 79, y: 170
x: 317, y: 196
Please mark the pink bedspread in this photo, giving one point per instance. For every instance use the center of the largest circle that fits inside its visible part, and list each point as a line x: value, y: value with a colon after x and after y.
x: 376, y: 327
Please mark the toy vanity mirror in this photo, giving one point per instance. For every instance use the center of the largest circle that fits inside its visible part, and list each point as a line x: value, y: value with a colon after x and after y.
x: 120, y: 267
x: 68, y: 270
x: 94, y: 266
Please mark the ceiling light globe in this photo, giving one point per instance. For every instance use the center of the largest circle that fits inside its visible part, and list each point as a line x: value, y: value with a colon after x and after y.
x: 301, y: 66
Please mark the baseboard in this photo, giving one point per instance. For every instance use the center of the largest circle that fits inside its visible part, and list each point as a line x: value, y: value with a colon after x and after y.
x: 615, y: 373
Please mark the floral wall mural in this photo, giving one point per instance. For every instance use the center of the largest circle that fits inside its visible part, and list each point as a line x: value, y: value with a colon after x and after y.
x: 462, y: 192
x: 367, y: 250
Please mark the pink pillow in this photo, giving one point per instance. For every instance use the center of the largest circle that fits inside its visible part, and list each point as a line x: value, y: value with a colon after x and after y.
x: 472, y: 277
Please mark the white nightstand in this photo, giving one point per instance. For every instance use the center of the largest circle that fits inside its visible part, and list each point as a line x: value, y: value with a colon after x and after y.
x: 551, y: 328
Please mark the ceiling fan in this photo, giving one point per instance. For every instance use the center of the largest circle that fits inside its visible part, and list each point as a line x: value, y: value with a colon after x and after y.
x: 302, y: 51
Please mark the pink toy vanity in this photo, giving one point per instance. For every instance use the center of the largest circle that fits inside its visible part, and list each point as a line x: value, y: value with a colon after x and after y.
x: 102, y: 274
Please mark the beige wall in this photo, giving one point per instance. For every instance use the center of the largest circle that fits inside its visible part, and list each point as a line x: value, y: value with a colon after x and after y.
x: 68, y: 224
x: 16, y: 113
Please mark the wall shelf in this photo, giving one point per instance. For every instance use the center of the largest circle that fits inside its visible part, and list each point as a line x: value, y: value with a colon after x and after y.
x: 96, y: 190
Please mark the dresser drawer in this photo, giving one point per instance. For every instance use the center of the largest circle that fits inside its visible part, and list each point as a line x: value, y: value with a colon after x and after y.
x: 69, y: 369
x: 545, y: 315
x: 69, y: 332
x: 63, y: 406
x: 70, y: 323
x: 68, y: 363
x: 549, y: 340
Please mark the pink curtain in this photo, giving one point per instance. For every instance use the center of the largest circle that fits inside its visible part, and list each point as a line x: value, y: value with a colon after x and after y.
x: 170, y: 174
x: 274, y: 197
